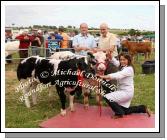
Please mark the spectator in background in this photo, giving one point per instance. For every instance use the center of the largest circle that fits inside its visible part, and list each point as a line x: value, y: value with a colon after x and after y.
x: 118, y: 44
x: 53, y: 44
x: 25, y: 41
x: 71, y: 35
x: 40, y: 35
x: 8, y: 38
x: 45, y: 35
x: 97, y: 38
x: 57, y: 36
x: 76, y: 32
x: 65, y: 41
x: 35, y: 44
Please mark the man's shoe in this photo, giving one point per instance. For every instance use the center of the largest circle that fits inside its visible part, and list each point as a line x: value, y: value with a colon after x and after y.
x: 148, y: 112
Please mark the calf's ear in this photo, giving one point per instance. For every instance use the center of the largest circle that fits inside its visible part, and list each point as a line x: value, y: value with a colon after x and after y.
x: 90, y: 55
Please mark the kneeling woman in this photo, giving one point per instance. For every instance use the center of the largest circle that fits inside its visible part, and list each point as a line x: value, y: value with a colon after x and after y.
x: 120, y: 100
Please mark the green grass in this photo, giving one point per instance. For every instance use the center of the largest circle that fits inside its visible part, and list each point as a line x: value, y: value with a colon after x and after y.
x: 18, y: 116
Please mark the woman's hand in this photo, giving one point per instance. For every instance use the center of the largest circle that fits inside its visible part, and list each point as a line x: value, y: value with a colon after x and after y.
x: 107, y: 77
x: 98, y: 75
x: 92, y: 50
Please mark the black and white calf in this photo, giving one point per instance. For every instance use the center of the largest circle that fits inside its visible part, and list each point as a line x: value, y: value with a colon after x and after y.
x: 26, y: 72
x: 61, y: 73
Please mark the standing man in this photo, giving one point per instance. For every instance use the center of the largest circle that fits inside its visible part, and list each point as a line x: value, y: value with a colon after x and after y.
x: 107, y: 41
x: 25, y: 41
x: 8, y: 38
x: 83, y: 41
x: 35, y: 44
x: 65, y: 41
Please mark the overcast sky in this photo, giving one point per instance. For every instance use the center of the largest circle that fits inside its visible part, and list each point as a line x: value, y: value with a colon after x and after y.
x: 117, y: 16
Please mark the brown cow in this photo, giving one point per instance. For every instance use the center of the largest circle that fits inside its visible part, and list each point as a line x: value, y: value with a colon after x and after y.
x: 138, y: 47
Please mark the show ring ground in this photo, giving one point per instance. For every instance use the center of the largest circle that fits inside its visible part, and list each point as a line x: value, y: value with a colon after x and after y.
x: 91, y: 118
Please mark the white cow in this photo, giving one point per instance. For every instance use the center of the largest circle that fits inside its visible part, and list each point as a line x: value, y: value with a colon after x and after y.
x: 62, y: 55
x: 11, y: 47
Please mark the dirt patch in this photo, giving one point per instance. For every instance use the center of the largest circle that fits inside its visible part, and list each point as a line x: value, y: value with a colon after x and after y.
x: 11, y: 83
x: 10, y: 75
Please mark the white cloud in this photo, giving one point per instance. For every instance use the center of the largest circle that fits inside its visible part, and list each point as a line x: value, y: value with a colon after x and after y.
x: 115, y: 16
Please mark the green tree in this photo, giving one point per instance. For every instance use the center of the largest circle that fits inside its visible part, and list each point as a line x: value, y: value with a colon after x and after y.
x: 132, y: 32
x: 69, y: 26
x: 138, y: 33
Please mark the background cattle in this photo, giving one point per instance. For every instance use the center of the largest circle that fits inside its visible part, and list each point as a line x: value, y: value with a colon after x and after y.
x: 62, y: 55
x: 11, y: 48
x: 138, y: 47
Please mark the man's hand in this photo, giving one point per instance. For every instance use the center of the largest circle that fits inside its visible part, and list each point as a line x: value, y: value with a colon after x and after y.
x: 81, y: 48
x: 37, y: 38
x: 77, y: 49
x: 94, y: 50
x: 109, y: 55
x: 26, y: 37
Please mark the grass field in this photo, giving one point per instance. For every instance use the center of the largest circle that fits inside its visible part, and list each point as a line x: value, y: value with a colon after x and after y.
x: 18, y: 116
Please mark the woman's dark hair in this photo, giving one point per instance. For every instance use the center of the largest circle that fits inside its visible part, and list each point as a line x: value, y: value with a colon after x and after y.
x: 128, y: 57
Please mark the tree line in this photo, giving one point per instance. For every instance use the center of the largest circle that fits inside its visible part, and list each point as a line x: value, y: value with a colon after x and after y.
x: 93, y: 30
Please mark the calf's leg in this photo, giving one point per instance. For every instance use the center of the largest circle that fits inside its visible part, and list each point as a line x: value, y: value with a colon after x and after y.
x: 98, y: 99
x: 34, y: 94
x: 62, y: 99
x: 71, y: 98
x: 26, y: 92
x: 86, y: 93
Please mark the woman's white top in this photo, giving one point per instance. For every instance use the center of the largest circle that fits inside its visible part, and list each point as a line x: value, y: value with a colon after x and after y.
x: 125, y: 89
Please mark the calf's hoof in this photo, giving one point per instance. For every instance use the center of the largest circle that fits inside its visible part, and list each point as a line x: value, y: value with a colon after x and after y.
x: 86, y: 106
x: 72, y: 109
x: 63, y: 112
x: 28, y: 105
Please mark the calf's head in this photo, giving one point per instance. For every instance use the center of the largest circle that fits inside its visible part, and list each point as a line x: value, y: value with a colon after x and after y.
x: 98, y: 60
